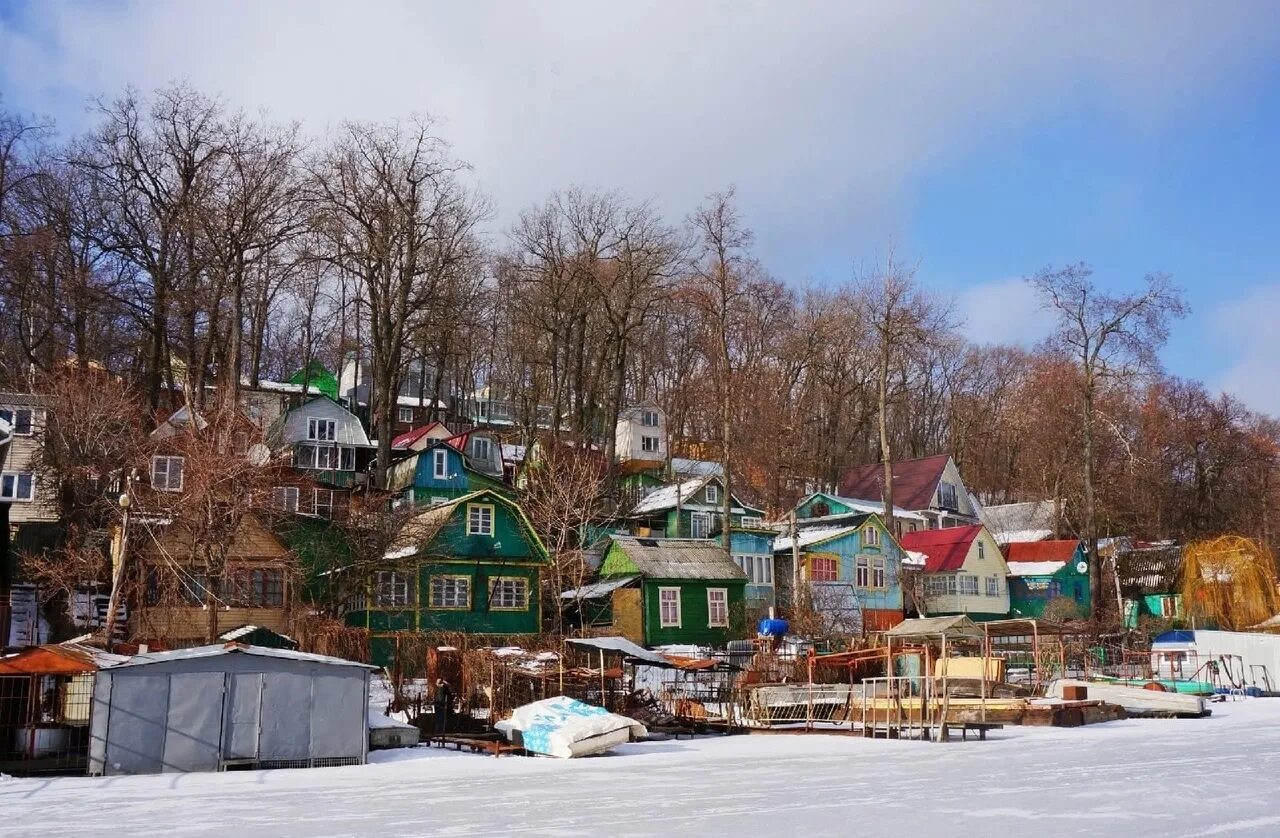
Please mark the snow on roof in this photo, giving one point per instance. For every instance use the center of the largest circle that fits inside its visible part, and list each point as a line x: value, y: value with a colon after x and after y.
x: 945, y: 548
x: 513, y: 453
x: 914, y: 559
x: 666, y: 496
x: 1035, y: 568
x: 1060, y: 550
x: 867, y: 507
x: 235, y: 634
x: 238, y: 649
x: 682, y: 467
x: 598, y: 589
x: 811, y: 535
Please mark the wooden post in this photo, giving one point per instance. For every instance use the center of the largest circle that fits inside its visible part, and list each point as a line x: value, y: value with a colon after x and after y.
x: 602, y: 700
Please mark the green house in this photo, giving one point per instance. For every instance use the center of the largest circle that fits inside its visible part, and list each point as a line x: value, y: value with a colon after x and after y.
x: 472, y: 564
x: 690, y: 509
x: 1041, y: 572
x: 1151, y: 582
x: 665, y: 591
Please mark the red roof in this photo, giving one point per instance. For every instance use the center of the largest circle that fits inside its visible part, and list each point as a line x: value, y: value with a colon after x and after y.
x: 944, y: 549
x: 408, y: 438
x: 914, y: 481
x: 1063, y: 550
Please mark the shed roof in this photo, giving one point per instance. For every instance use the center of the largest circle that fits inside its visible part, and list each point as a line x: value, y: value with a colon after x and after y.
x: 619, y: 646
x: 944, y: 549
x: 914, y: 481
x: 408, y: 438
x: 1031, y: 516
x: 58, y: 659
x: 678, y: 558
x: 598, y: 589
x: 220, y: 650
x: 932, y: 628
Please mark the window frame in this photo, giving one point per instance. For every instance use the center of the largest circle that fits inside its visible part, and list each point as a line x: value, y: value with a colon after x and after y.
x: 645, y: 414
x: 314, y: 423
x: 724, y: 603
x: 834, y: 568
x: 14, y: 425
x: 967, y: 584
x: 982, y: 549
x: 404, y: 415
x: 481, y: 508
x: 439, y: 464
x: 993, y: 586
x: 16, y: 478
x: 712, y: 493
x: 168, y: 460
x: 870, y: 536
x: 650, y: 444
x: 523, y: 581
x: 396, y: 579
x: 482, y: 442
x: 281, y: 495
x: 705, y: 518
x: 663, y: 622
x: 448, y: 577
x: 862, y: 572
x: 879, y: 573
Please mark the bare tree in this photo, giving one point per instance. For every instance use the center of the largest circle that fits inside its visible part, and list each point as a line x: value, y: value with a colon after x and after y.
x: 1107, y: 336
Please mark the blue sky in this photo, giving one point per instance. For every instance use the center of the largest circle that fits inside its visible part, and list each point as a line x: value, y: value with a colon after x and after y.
x: 986, y: 140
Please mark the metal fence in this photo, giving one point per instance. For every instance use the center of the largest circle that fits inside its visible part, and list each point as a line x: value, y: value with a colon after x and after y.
x: 44, y: 723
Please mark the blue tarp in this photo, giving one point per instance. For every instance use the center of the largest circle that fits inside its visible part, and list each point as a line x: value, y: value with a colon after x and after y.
x: 1176, y: 636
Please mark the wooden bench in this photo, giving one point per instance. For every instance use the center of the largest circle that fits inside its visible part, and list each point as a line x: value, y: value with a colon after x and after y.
x: 497, y: 747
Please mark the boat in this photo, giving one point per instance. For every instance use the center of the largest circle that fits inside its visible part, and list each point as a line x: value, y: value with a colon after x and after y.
x: 1137, y: 701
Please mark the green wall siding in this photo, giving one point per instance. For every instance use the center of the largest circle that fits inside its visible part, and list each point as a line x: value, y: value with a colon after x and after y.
x: 694, y: 614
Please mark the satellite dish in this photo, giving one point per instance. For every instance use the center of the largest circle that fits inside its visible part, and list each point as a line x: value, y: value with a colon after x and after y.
x: 1082, y: 567
x: 259, y: 455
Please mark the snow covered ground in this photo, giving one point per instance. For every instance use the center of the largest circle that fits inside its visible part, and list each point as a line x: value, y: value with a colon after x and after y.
x: 1214, y: 776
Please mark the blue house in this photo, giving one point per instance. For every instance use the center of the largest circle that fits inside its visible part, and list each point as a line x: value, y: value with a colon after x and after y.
x: 436, y: 474
x: 752, y: 550
x: 850, y: 572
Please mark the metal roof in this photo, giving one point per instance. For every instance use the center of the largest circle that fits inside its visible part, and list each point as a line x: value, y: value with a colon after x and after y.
x: 932, y: 628
x: 238, y: 649
x: 598, y: 589
x: 619, y: 646
x: 679, y: 558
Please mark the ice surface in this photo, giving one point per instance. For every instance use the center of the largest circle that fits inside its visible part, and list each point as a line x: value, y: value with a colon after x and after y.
x: 1131, y: 778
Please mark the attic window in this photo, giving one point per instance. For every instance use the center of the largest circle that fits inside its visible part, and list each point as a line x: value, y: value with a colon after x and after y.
x: 649, y: 418
x: 480, y: 448
x: 871, y: 537
x: 947, y: 496
x: 713, y: 494
x: 324, y: 430
x: 440, y: 464
x: 405, y: 415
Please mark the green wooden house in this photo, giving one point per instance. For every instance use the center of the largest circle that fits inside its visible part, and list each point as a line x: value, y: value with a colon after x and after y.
x: 1041, y: 572
x: 1150, y: 581
x: 665, y: 591
x: 472, y: 564
x: 690, y: 509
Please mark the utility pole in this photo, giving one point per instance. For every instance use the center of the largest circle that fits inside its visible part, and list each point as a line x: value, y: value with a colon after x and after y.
x: 119, y: 542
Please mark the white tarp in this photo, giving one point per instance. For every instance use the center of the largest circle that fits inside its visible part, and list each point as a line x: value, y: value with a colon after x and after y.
x: 564, y: 727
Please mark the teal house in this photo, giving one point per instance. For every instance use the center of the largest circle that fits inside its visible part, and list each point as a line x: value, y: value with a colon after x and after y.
x: 1151, y: 582
x: 752, y: 550
x: 831, y: 508
x: 851, y: 570
x: 472, y: 564
x: 1041, y: 572
x: 439, y: 472
x: 690, y: 509
x: 662, y: 591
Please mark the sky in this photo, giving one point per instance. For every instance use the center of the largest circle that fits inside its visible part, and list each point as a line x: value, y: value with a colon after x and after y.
x: 983, y: 141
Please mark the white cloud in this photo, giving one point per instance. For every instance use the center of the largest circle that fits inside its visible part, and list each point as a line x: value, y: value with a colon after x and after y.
x: 823, y: 114
x: 1247, y: 327
x: 1003, y: 311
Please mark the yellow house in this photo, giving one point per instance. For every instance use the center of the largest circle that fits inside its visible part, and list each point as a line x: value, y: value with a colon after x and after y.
x: 962, y: 572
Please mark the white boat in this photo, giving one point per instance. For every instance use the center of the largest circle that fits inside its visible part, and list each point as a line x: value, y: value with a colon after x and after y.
x: 1135, y: 700
x: 564, y: 727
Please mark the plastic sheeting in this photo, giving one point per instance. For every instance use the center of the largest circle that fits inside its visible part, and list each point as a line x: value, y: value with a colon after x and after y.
x: 564, y: 727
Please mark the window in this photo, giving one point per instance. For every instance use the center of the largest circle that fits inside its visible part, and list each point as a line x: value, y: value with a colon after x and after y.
x: 713, y: 494
x: 699, y: 524
x: 405, y: 415
x: 451, y: 592
x: 481, y: 448
x: 326, y: 457
x: 479, y: 519
x: 18, y: 485
x: 870, y: 537
x: 824, y: 569
x: 717, y: 607
x: 20, y: 419
x: 993, y: 586
x: 323, y: 430
x: 392, y: 589
x: 862, y: 572
x: 440, y: 464
x: 669, y: 607
x: 257, y: 588
x: 911, y: 526
x: 877, y: 573
x: 323, y: 502
x: 650, y: 444
x: 286, y: 498
x: 438, y: 500
x: 1168, y: 606
x: 759, y: 569
x: 947, y: 495
x: 982, y: 553
x: 166, y: 474
x: 968, y: 584
x: 749, y: 522
x: 509, y: 593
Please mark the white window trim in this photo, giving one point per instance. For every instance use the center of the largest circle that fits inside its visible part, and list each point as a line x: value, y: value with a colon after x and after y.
x: 711, y: 621
x: 284, y: 493
x: 750, y: 522
x: 404, y: 414
x: 431, y: 587
x: 494, y: 581
x: 663, y: 622
x: 313, y: 426
x: 705, y: 517
x: 870, y: 536
x: 713, y: 494
x: 440, y: 465
x: 17, y: 475
x: 13, y: 420
x: 168, y: 472
x: 477, y: 507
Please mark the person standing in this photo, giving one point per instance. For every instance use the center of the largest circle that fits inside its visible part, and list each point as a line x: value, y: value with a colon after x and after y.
x: 442, y: 705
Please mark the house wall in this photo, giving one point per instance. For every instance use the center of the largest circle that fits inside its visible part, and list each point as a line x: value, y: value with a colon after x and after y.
x: 629, y: 432
x: 43, y: 508
x: 881, y: 607
x: 694, y: 613
x: 759, y: 597
x: 1029, y: 595
x: 347, y: 426
x: 964, y: 511
x: 981, y: 606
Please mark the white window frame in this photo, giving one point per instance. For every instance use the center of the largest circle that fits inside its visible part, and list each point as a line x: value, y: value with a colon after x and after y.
x: 283, y: 496
x: 482, y: 448
x: 650, y: 444
x: 968, y: 584
x: 399, y: 583
x: 647, y: 414
x: 717, y: 599
x: 870, y: 536
x: 327, y: 505
x: 712, y: 493
x: 982, y: 549
x: 405, y: 415
x: 440, y: 464
x: 315, y: 423
x: 993, y: 586
x: 436, y: 499
x: 12, y: 414
x: 879, y: 573
x: 168, y: 460
x: 694, y: 519
x: 663, y: 620
x: 751, y: 522
x: 519, y: 590
x: 449, y: 599
x: 480, y: 519
x: 14, y: 479
x: 862, y: 572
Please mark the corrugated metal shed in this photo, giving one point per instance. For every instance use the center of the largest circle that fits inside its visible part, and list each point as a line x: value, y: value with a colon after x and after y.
x: 678, y: 558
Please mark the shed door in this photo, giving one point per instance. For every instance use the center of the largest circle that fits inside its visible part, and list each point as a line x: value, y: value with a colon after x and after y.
x: 193, y: 739
x: 136, y: 724
x: 243, y: 716
x: 339, y: 715
x: 286, y: 716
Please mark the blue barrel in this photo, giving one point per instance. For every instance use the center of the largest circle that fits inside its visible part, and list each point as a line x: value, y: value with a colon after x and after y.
x: 773, y: 627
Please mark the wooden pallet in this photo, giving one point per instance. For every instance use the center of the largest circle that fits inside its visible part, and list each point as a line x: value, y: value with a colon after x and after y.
x: 496, y: 747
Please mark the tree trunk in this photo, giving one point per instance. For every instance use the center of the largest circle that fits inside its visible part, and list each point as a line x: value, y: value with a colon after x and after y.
x: 886, y: 453
x: 1090, y: 525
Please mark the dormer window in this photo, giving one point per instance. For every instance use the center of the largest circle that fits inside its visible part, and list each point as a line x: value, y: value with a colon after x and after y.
x: 870, y: 537
x: 166, y: 473
x: 440, y: 465
x: 713, y: 494
x: 649, y: 418
x: 481, y: 448
x: 321, y: 430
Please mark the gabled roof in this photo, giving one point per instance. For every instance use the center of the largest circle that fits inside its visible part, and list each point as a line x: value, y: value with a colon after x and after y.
x: 1062, y: 550
x: 237, y: 649
x: 419, y: 531
x: 678, y: 558
x: 665, y: 497
x: 408, y: 438
x: 810, y: 536
x: 944, y: 549
x: 1029, y: 521
x: 914, y: 481
x: 859, y: 507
